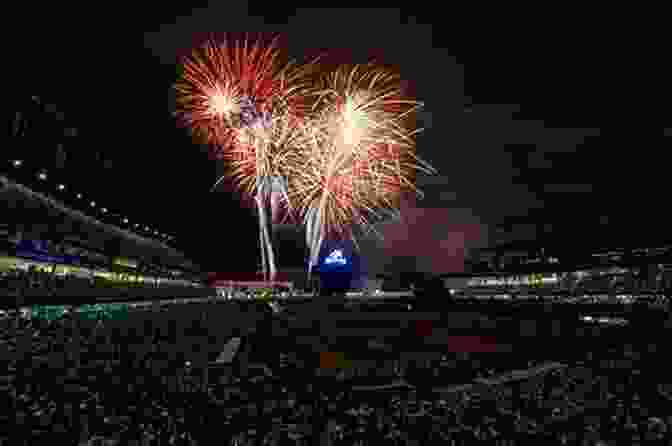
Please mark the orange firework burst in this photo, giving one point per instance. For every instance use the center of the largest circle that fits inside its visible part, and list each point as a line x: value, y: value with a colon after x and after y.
x: 228, y: 86
x: 361, y: 151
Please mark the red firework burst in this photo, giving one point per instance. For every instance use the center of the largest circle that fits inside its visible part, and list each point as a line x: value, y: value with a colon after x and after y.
x: 234, y: 83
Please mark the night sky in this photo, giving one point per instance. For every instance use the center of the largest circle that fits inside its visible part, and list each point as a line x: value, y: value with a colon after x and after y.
x: 527, y: 121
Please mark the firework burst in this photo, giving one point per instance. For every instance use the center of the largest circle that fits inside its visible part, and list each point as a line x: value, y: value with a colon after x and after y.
x: 241, y: 99
x: 228, y: 86
x: 338, y: 149
x: 359, y: 155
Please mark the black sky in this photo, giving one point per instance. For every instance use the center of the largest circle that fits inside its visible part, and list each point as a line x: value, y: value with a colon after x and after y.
x: 527, y: 120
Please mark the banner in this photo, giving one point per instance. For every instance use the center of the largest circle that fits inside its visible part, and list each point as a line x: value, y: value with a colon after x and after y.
x: 43, y: 251
x: 34, y: 246
x: 47, y: 258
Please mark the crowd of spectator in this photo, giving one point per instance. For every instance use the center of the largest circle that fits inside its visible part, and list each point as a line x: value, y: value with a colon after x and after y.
x: 33, y: 286
x: 18, y: 281
x: 25, y: 283
x: 132, y: 382
x: 40, y: 281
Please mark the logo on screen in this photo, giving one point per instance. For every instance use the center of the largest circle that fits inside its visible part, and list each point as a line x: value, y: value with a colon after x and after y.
x: 335, y: 258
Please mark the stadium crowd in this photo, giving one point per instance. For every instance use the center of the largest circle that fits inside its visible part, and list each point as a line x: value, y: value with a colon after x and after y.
x: 18, y: 282
x: 139, y: 381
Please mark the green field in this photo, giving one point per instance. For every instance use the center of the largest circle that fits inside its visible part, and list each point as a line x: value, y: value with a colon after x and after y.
x: 89, y: 312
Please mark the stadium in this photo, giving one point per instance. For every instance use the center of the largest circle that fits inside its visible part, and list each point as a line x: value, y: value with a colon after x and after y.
x: 215, y: 270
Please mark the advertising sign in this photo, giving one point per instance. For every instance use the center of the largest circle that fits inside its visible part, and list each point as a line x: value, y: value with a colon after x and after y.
x: 125, y: 262
x: 335, y: 266
x: 335, y: 255
x: 41, y: 251
x: 336, y: 258
x: 35, y: 246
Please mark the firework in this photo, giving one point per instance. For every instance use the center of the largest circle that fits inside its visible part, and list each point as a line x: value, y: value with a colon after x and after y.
x: 241, y: 99
x: 358, y: 154
x: 257, y: 163
x: 344, y: 159
x: 235, y: 84
x: 262, y: 154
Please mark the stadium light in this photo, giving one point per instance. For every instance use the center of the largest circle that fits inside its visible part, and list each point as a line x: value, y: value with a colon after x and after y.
x: 61, y: 187
x: 42, y: 176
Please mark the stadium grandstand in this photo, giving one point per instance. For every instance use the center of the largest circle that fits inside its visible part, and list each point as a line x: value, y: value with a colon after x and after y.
x: 52, y: 252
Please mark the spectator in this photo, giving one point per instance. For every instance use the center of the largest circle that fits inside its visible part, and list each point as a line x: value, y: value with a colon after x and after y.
x: 558, y: 407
